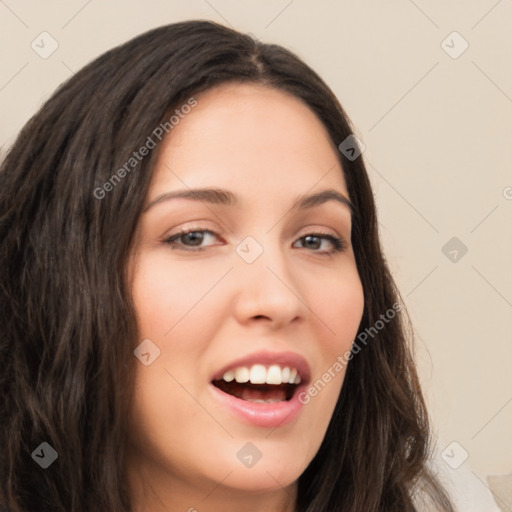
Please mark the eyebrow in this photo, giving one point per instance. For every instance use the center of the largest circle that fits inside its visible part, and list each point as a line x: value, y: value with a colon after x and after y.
x: 225, y: 197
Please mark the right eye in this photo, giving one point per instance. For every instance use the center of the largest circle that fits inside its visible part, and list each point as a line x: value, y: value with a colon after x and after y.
x: 187, y: 235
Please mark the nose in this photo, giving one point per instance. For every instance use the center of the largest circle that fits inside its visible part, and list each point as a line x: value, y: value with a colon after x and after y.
x: 268, y: 290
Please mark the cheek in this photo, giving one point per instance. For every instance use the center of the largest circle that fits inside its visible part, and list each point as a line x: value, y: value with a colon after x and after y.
x: 339, y: 305
x: 166, y: 293
x: 171, y: 302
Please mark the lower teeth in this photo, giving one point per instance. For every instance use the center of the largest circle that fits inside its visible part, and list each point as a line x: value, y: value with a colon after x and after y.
x: 258, y: 401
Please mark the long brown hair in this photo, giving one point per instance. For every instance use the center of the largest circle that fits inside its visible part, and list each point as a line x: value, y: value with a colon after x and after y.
x: 67, y: 323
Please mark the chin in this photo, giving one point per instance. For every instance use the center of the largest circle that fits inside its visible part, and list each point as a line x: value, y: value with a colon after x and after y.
x: 260, y: 480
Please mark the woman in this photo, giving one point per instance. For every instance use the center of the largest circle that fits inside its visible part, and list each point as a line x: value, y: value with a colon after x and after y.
x: 272, y: 366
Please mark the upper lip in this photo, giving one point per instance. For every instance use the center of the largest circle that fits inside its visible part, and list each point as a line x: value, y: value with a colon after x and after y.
x: 290, y: 359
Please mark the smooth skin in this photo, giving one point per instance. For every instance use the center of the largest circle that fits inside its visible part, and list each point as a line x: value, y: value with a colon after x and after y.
x: 206, y: 308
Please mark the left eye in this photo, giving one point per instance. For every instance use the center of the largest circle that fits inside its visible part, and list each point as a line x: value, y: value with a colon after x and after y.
x: 312, y: 239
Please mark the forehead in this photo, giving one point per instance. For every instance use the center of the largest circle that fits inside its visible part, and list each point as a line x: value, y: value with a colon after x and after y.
x: 252, y: 136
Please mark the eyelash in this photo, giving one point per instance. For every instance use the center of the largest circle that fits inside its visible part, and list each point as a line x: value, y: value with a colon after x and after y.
x: 338, y: 243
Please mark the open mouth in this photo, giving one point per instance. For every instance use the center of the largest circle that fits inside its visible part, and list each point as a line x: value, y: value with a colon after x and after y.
x: 259, y: 393
x: 259, y: 383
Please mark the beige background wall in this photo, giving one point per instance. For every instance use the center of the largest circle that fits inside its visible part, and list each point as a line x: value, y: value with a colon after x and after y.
x: 438, y: 132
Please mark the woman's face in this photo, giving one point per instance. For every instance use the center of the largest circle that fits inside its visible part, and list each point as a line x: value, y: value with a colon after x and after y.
x: 247, y: 284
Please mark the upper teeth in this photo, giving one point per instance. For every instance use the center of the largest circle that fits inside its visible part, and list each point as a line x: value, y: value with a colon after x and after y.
x: 259, y: 374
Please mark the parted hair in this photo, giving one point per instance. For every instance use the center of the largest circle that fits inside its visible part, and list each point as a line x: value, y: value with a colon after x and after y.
x: 67, y: 322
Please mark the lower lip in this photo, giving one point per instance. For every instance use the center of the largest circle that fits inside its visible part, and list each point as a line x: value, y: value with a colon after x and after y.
x: 270, y: 415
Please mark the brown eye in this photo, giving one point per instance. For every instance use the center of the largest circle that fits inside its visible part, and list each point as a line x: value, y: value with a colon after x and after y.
x: 316, y: 238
